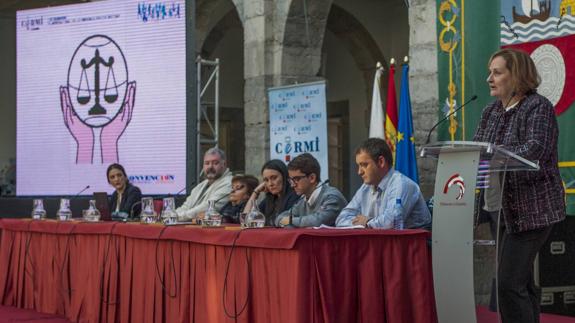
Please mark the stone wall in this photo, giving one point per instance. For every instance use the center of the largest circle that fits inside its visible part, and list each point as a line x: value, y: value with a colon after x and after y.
x: 423, y: 82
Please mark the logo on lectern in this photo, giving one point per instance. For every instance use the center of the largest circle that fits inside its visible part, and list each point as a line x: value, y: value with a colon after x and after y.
x: 458, y: 181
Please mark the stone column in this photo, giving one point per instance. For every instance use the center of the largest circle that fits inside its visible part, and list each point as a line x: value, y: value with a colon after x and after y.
x: 256, y: 18
x: 423, y: 81
x: 277, y: 52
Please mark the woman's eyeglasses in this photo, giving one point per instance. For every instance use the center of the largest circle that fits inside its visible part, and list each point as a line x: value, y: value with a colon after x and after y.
x: 237, y: 188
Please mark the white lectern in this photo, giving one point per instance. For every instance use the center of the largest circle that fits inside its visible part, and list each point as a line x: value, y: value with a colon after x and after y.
x: 453, y: 219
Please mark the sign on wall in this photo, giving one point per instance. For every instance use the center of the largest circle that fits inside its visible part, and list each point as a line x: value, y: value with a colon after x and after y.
x: 298, y: 122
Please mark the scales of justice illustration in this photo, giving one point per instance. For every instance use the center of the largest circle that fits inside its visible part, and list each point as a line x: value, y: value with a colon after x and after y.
x: 97, y: 74
x: 97, y: 101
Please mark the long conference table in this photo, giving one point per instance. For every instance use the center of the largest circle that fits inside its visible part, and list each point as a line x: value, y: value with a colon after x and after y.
x: 131, y: 272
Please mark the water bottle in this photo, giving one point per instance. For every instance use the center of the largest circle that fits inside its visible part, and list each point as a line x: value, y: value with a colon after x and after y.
x: 91, y: 214
x: 255, y: 219
x: 398, y: 215
x: 148, y: 214
x: 169, y: 215
x: 212, y: 217
x: 38, y: 212
x: 64, y: 213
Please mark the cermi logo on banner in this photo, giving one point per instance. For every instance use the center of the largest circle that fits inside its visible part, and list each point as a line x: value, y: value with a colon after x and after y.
x: 296, y: 147
x: 455, y: 180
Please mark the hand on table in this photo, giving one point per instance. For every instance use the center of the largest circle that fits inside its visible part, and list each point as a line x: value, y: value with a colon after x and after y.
x: 284, y: 221
x: 360, y: 220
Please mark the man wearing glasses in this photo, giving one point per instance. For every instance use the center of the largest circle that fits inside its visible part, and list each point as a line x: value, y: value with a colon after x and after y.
x: 319, y: 203
x: 373, y: 203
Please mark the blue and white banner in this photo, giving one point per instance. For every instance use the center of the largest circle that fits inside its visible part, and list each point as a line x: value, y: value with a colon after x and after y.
x: 298, y: 122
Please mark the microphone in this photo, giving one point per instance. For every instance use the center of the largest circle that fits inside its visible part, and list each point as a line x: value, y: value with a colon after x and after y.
x: 180, y: 191
x: 78, y: 194
x: 82, y: 191
x: 220, y: 198
x: 473, y: 98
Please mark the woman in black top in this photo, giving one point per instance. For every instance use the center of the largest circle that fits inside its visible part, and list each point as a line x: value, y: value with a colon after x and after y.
x: 125, y: 195
x: 242, y: 187
x: 279, y: 194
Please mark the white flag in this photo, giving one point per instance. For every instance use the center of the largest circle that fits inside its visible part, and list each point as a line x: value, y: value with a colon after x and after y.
x: 376, y: 129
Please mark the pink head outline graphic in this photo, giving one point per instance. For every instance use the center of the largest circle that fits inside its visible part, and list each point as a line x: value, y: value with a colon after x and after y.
x: 98, y: 100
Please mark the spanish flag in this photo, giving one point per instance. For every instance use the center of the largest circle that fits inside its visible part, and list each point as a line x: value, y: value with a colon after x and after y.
x: 391, y: 112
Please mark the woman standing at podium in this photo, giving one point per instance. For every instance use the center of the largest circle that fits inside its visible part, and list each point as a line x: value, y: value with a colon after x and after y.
x: 523, y: 122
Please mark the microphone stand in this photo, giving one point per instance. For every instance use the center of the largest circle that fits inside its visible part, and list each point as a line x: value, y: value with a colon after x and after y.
x: 473, y: 98
x: 180, y: 191
x: 82, y: 191
x: 78, y: 194
x: 131, y: 218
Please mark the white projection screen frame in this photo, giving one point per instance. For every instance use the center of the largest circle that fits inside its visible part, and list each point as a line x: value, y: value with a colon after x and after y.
x: 99, y: 83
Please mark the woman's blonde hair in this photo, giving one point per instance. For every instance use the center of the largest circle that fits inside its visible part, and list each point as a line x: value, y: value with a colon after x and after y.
x: 524, y: 76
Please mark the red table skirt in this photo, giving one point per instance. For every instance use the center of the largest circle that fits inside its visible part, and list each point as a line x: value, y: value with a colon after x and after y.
x: 110, y: 272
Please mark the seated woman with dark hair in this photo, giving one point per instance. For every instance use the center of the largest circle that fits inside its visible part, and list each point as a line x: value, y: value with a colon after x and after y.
x: 279, y: 194
x: 125, y: 195
x: 242, y: 187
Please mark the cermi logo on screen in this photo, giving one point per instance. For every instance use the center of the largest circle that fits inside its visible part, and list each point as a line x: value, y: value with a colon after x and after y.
x: 32, y: 23
x: 152, y: 179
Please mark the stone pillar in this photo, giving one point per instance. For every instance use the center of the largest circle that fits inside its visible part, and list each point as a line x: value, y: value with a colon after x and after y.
x: 277, y: 52
x: 256, y: 66
x: 423, y: 81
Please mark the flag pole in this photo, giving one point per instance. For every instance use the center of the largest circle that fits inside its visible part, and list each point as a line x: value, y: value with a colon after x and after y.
x: 391, y: 109
x: 377, y: 119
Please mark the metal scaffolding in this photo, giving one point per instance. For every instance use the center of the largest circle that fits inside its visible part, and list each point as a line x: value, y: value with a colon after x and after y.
x: 211, y: 68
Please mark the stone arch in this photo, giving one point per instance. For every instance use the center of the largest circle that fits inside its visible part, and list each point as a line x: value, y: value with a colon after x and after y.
x: 222, y: 37
x: 359, y: 43
x: 209, y: 13
x: 228, y: 22
x: 302, y: 39
x: 324, y: 16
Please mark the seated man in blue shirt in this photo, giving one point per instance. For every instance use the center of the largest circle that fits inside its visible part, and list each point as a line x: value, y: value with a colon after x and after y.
x: 373, y: 203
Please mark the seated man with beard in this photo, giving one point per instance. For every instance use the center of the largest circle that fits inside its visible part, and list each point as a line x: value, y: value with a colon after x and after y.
x: 215, y: 187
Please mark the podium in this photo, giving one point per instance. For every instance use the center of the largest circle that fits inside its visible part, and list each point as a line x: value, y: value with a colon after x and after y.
x: 456, y: 181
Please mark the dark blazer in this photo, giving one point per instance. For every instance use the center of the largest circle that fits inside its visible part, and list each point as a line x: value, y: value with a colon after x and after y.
x: 531, y: 199
x: 132, y: 195
x: 231, y: 213
x: 272, y: 206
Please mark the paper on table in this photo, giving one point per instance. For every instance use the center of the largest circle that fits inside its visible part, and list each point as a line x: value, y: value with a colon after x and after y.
x: 323, y: 226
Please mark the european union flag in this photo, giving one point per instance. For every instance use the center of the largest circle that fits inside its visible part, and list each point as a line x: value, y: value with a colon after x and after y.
x: 405, y: 161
